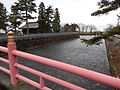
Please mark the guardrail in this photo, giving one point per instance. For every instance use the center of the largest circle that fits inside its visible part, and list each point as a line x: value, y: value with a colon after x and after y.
x: 15, y: 66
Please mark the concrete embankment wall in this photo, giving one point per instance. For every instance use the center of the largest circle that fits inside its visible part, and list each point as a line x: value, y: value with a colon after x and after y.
x: 36, y: 40
x: 116, y: 41
x: 113, y: 50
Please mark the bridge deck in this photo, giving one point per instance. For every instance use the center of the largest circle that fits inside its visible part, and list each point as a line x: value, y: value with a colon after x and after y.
x: 5, y: 80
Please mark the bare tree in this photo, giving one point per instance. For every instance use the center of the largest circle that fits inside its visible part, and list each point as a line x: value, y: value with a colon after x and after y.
x: 109, y: 27
x: 91, y: 28
x: 81, y: 27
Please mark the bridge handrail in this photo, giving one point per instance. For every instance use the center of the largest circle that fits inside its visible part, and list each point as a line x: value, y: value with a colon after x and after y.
x: 102, y: 78
x: 38, y: 73
x: 3, y: 49
x: 48, y: 77
x: 14, y: 73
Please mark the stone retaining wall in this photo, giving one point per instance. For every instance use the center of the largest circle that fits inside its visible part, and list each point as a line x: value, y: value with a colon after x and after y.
x: 116, y: 41
x: 24, y: 42
x: 114, y: 57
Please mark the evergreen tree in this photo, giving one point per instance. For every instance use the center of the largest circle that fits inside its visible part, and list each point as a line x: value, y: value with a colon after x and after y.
x: 3, y: 17
x: 27, y: 7
x: 49, y: 18
x: 14, y: 17
x: 41, y: 18
x: 106, y: 6
x: 70, y: 28
x: 73, y: 27
x: 56, y: 21
x: 66, y: 28
x: 45, y: 18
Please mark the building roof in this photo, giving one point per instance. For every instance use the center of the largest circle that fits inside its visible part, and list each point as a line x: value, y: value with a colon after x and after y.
x: 30, y: 25
x: 2, y: 31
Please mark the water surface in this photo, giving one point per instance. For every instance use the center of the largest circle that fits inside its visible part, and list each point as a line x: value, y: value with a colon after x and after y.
x: 72, y: 52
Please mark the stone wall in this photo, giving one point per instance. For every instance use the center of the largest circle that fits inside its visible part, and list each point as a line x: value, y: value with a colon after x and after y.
x: 24, y: 42
x: 113, y: 51
x: 116, y: 41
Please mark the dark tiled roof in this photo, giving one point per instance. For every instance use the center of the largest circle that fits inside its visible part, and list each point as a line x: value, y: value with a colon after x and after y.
x: 30, y: 25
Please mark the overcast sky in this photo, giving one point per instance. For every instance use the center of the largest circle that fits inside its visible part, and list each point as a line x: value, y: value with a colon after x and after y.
x: 75, y: 11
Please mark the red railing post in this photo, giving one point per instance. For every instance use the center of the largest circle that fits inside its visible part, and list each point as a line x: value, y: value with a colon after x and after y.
x: 41, y: 82
x: 12, y: 58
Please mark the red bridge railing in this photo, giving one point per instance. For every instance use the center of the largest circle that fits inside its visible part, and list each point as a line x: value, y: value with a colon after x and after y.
x: 15, y: 66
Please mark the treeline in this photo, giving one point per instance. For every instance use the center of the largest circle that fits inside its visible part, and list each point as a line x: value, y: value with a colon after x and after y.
x: 78, y: 27
x: 21, y: 11
x: 48, y: 18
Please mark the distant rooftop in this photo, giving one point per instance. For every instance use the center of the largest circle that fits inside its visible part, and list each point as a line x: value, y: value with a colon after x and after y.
x: 30, y: 25
x: 2, y: 31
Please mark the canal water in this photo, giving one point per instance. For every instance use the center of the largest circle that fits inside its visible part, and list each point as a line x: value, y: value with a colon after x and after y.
x: 72, y: 52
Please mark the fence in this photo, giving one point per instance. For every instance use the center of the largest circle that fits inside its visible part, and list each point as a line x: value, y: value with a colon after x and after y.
x: 15, y: 66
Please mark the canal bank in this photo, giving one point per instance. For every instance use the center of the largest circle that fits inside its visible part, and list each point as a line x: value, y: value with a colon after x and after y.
x: 113, y: 50
x: 25, y: 42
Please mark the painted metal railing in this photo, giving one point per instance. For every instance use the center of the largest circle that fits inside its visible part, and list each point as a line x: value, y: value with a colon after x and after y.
x: 15, y: 66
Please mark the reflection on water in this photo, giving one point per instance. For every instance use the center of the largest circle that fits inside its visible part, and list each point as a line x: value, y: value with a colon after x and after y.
x: 87, y: 37
x: 76, y: 53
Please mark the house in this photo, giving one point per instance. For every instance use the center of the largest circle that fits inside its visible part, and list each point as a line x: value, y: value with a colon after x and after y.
x: 17, y: 32
x: 2, y: 32
x: 32, y: 27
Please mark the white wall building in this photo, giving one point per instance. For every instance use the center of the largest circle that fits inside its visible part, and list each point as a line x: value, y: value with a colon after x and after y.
x: 2, y: 31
